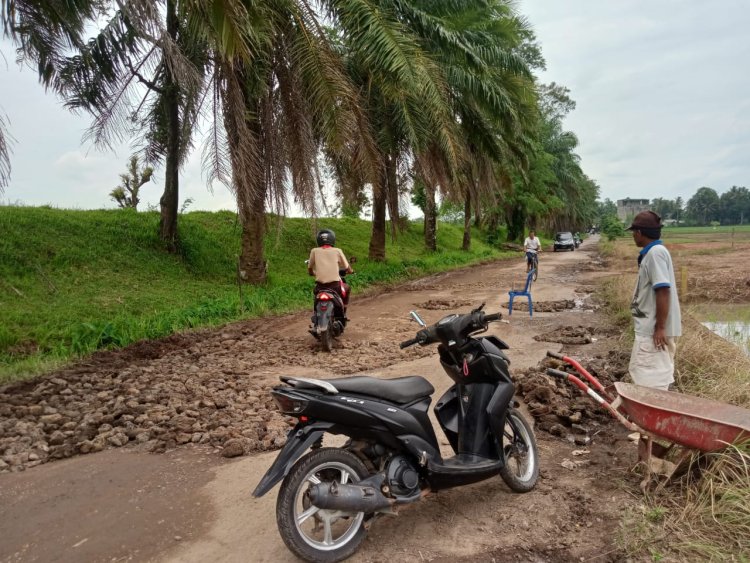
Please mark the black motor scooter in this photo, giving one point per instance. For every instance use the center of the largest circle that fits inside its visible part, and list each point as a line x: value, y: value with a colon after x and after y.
x: 329, y: 496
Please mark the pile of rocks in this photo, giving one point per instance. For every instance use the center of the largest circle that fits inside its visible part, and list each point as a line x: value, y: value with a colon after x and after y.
x: 58, y: 418
x: 202, y: 388
x: 561, y: 409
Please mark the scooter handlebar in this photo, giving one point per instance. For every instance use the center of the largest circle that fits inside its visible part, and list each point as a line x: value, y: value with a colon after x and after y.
x: 407, y: 343
x: 493, y: 317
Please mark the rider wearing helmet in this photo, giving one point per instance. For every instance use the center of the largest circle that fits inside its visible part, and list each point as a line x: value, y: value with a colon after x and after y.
x: 325, y: 262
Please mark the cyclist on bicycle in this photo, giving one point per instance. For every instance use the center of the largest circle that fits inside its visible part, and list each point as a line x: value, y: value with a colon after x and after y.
x: 532, y: 246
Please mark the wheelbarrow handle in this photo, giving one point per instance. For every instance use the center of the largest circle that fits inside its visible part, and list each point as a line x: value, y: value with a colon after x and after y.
x: 595, y: 396
x: 582, y: 371
x: 569, y: 377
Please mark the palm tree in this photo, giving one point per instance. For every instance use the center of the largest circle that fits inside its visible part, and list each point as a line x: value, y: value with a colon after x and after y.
x: 302, y: 88
x: 475, y: 44
x: 143, y: 75
x: 283, y: 94
x: 42, y: 32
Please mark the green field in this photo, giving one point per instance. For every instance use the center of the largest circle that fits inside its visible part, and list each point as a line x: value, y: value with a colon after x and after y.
x: 72, y: 282
x: 739, y: 234
x: 744, y: 229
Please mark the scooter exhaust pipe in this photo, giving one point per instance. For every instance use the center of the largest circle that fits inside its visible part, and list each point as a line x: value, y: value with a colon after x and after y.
x: 348, y: 498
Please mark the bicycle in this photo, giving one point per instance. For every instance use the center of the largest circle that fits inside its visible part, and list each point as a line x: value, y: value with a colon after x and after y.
x: 534, y: 264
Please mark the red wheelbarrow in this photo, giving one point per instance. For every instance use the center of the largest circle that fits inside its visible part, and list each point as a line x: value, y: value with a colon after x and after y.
x: 687, y: 423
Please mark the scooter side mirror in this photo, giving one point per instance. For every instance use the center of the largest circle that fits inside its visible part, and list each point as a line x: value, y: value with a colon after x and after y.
x: 415, y: 317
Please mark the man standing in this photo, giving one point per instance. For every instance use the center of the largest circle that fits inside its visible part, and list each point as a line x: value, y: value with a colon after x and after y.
x: 655, y: 308
x: 531, y: 245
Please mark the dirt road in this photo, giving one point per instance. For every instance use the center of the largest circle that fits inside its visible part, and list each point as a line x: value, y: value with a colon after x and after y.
x: 190, y: 504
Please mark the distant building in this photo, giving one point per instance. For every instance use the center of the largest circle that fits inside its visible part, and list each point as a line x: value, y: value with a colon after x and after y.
x: 628, y: 208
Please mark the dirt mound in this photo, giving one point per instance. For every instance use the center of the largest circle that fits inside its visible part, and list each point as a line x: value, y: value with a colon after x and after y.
x: 442, y: 304
x: 561, y: 409
x: 192, y: 388
x: 576, y: 334
x: 567, y: 335
x: 543, y: 306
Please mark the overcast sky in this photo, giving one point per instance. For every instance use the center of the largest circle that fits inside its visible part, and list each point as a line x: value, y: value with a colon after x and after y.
x: 662, y: 87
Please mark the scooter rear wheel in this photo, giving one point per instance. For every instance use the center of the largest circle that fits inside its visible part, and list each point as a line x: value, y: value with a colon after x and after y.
x: 326, y: 339
x: 314, y: 534
x: 521, y: 469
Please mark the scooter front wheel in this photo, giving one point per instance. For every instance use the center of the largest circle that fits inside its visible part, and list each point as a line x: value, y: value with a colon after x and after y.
x: 521, y: 469
x: 312, y: 533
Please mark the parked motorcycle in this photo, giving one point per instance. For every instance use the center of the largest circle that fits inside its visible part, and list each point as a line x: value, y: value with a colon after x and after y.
x: 330, y: 496
x: 329, y: 319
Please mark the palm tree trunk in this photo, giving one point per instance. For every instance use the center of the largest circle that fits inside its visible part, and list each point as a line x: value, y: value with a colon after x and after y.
x: 377, y: 238
x: 169, y: 201
x: 516, y: 219
x: 253, y: 267
x: 430, y: 217
x: 467, y: 222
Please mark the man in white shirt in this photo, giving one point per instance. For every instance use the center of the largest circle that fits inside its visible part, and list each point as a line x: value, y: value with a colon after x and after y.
x: 655, y: 307
x: 532, y: 246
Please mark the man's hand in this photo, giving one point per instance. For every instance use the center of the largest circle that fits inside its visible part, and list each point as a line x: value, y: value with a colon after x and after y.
x: 662, y: 310
x: 660, y: 340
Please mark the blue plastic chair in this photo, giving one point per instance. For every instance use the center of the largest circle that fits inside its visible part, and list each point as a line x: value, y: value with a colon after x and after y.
x: 525, y: 293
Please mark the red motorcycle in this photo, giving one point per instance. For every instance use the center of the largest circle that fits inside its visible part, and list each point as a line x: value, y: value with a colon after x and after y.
x: 329, y: 319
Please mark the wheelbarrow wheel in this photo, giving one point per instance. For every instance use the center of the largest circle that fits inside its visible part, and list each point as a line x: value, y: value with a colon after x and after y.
x: 521, y: 469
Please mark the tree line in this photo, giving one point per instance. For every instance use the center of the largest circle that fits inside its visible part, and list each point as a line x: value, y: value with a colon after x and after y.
x: 390, y: 99
x: 705, y: 207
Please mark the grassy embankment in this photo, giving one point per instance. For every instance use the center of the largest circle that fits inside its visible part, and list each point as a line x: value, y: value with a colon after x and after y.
x: 708, y: 517
x: 72, y: 282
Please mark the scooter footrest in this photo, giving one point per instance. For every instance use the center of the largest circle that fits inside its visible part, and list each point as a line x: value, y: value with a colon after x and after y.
x: 465, y: 463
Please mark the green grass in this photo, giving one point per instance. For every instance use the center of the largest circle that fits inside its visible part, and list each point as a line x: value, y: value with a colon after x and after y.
x: 668, y: 231
x: 72, y: 282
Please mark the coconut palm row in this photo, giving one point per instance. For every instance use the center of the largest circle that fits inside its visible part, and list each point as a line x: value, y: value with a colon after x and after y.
x: 382, y: 96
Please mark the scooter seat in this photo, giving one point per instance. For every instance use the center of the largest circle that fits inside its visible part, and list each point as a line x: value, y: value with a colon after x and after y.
x: 400, y: 390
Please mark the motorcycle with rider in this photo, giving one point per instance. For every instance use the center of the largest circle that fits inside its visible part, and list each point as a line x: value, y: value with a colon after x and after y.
x: 329, y: 266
